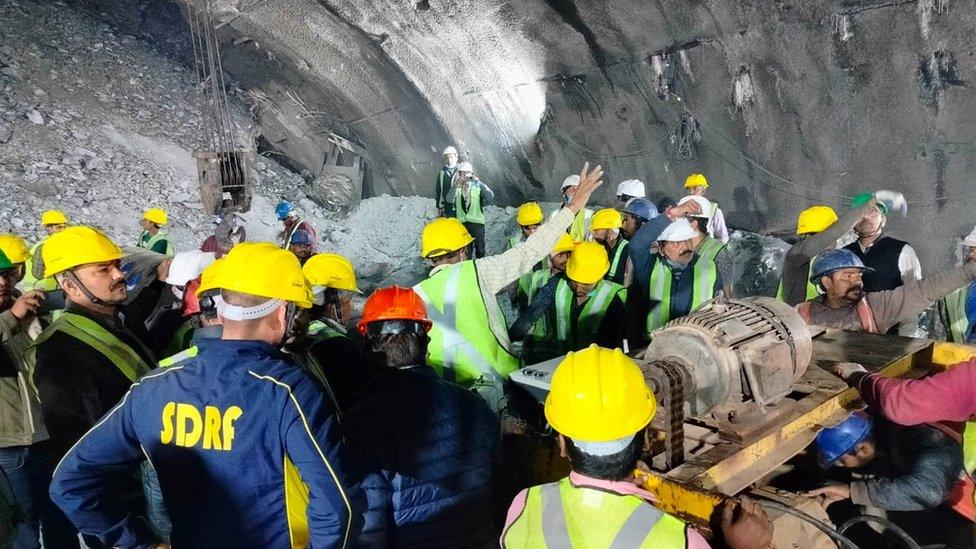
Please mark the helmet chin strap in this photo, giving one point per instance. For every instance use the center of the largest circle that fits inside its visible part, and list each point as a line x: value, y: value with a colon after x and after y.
x: 88, y: 293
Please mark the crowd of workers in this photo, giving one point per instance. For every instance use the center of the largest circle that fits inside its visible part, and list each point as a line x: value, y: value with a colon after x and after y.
x: 228, y: 395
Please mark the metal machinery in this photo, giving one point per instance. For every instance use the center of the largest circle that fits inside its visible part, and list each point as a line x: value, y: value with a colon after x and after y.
x: 222, y: 168
x: 741, y: 389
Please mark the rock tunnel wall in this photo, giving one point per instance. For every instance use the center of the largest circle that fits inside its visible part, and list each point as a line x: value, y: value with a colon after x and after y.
x: 782, y: 104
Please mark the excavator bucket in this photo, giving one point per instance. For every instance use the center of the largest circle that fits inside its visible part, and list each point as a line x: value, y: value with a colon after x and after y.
x: 224, y: 174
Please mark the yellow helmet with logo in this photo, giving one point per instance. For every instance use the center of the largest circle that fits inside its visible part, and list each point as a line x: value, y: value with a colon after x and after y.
x: 529, y: 213
x: 599, y: 394
x: 564, y: 244
x: 330, y: 271
x: 76, y: 246
x: 156, y: 215
x: 260, y: 269
x: 54, y: 217
x: 14, y: 248
x: 588, y: 263
x: 696, y: 180
x: 815, y: 219
x: 608, y: 218
x: 442, y: 236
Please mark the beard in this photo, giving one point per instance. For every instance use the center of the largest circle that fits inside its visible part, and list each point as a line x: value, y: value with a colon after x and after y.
x: 855, y: 293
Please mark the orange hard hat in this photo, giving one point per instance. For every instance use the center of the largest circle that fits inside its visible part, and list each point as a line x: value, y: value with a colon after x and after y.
x: 191, y: 303
x: 394, y: 303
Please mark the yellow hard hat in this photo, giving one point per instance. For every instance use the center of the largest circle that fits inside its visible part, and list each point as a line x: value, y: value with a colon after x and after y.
x: 564, y: 244
x: 14, y: 248
x: 815, y: 219
x: 529, y: 213
x: 588, y: 263
x: 331, y: 271
x: 260, y: 269
x: 76, y: 246
x: 696, y: 180
x: 156, y: 215
x: 443, y: 236
x: 54, y: 217
x: 598, y: 394
x: 608, y: 218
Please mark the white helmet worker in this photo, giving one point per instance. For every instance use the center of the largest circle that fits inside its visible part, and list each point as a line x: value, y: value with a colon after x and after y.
x: 449, y: 150
x: 188, y: 265
x: 465, y: 167
x: 571, y: 181
x: 970, y: 240
x: 678, y: 231
x: 633, y: 188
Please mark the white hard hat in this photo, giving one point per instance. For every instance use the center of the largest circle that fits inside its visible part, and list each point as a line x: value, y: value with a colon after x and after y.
x: 706, y: 206
x: 633, y: 188
x: 450, y: 150
x: 465, y: 167
x: 571, y: 181
x: 678, y: 231
x: 188, y: 265
x: 971, y: 239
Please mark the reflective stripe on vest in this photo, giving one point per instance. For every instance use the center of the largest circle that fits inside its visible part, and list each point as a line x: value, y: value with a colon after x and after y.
x: 616, y: 264
x: 590, y: 317
x: 812, y: 292
x: 474, y: 213
x: 705, y: 276
x: 179, y: 358
x: 560, y: 515
x: 91, y: 333
x: 539, y: 279
x: 156, y: 238
x: 710, y: 248
x: 955, y: 314
x: 31, y: 282
x: 969, y: 452
x: 462, y: 348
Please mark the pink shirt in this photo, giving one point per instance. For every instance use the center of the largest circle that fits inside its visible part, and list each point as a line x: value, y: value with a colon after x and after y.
x: 945, y: 396
x: 695, y: 539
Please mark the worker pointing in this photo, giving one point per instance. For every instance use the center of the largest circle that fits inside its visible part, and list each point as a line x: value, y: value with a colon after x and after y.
x: 238, y: 436
x: 469, y: 341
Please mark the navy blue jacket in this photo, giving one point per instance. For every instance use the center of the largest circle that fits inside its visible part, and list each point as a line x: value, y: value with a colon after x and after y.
x: 431, y: 446
x: 226, y: 432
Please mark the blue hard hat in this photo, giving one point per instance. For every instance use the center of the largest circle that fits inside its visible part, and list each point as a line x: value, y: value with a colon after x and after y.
x: 642, y: 208
x: 283, y: 209
x: 843, y: 438
x: 833, y: 260
x: 301, y: 237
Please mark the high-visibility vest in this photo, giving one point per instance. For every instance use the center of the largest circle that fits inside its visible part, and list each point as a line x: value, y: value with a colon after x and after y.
x: 559, y: 515
x: 462, y: 347
x: 91, y: 333
x: 865, y: 315
x: 969, y: 460
x: 321, y: 330
x: 30, y: 281
x: 474, y: 213
x: 539, y: 279
x: 952, y: 310
x: 147, y: 241
x: 710, y: 248
x: 704, y: 275
x: 588, y: 323
x: 617, y: 264
x: 181, y: 339
x: 811, y: 287
x: 580, y: 227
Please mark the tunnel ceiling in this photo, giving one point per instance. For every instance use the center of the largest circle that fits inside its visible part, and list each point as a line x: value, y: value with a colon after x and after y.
x: 781, y: 104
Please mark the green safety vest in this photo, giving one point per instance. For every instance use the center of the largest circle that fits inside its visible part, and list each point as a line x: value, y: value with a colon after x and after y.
x: 30, y: 281
x: 588, y: 323
x: 580, y: 227
x: 539, y: 279
x: 146, y: 241
x: 474, y: 213
x: 705, y: 278
x: 616, y: 262
x: 91, y: 333
x: 462, y: 347
x: 969, y: 452
x: 181, y: 339
x: 812, y: 292
x: 952, y: 310
x: 560, y: 515
x: 710, y: 248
